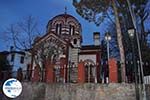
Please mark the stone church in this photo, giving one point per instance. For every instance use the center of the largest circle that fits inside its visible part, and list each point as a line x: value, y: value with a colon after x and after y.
x: 60, y: 56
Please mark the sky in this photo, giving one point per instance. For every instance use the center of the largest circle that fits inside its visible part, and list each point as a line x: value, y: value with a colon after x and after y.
x: 13, y: 11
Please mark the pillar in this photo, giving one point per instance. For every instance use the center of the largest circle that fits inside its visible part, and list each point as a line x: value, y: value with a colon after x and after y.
x: 36, y: 74
x: 113, y: 71
x: 63, y: 65
x: 81, y: 72
x: 49, y: 72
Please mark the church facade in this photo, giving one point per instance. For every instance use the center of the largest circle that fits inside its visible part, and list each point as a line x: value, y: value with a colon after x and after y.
x: 60, y: 55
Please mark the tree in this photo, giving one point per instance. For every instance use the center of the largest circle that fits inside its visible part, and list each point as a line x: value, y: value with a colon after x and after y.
x: 5, y: 68
x: 22, y: 34
x: 141, y: 13
x: 46, y: 52
x: 97, y: 11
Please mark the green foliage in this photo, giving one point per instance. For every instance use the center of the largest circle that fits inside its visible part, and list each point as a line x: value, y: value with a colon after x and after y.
x: 92, y: 10
x: 98, y: 11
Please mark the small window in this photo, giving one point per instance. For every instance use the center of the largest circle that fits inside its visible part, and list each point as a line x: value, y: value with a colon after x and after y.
x: 75, y: 41
x: 71, y: 30
x: 58, y: 28
x: 22, y: 59
x: 12, y: 57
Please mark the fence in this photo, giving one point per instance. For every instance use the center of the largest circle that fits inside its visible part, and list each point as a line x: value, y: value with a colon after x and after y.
x: 69, y: 73
x: 61, y: 74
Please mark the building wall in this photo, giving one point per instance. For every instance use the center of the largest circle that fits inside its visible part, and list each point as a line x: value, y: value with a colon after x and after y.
x: 16, y: 64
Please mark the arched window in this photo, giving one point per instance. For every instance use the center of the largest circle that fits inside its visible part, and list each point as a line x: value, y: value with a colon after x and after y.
x: 58, y: 28
x: 71, y: 30
x: 90, y: 70
x: 75, y: 41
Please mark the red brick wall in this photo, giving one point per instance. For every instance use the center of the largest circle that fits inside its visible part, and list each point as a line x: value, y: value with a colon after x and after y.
x: 113, y: 71
x: 36, y: 75
x: 81, y: 72
x: 49, y: 73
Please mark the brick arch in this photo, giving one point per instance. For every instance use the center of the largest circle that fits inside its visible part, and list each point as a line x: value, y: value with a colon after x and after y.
x: 88, y: 62
x: 59, y: 21
x: 75, y: 24
x: 72, y: 23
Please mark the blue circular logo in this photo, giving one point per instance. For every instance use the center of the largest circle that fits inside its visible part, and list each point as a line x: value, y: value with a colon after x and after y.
x: 12, y: 88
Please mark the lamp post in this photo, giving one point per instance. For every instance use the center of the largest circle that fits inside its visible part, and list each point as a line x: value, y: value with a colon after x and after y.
x: 139, y: 49
x: 107, y: 38
x: 131, y: 33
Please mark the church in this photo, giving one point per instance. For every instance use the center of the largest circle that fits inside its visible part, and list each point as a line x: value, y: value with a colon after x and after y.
x: 60, y: 56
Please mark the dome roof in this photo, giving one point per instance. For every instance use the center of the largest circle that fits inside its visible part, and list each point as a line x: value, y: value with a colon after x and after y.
x: 65, y: 16
x: 65, y: 20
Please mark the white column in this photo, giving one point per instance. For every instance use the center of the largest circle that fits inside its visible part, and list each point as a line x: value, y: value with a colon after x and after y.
x: 65, y: 66
x: 95, y: 71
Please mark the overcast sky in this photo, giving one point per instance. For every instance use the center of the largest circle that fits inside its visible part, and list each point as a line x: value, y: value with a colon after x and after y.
x: 12, y: 11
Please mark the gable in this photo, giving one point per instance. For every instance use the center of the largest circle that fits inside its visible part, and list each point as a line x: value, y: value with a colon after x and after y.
x: 50, y: 38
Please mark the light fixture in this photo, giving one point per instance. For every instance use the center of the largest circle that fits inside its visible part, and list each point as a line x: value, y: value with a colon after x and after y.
x: 107, y: 36
x: 131, y: 32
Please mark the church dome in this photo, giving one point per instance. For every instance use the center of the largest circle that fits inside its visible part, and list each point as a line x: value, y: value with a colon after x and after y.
x: 64, y: 24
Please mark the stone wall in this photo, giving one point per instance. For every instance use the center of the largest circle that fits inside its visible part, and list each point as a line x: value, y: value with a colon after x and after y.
x: 42, y: 91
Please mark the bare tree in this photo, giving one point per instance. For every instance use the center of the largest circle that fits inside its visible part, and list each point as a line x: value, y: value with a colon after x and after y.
x: 45, y: 52
x: 22, y: 34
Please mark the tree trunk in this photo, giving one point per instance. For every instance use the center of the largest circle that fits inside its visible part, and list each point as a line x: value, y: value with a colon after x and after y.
x: 120, y: 44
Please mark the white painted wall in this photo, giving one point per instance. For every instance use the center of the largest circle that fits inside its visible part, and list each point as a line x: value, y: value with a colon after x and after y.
x: 16, y: 64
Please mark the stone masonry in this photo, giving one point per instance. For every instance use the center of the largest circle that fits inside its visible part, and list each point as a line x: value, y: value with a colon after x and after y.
x: 68, y: 91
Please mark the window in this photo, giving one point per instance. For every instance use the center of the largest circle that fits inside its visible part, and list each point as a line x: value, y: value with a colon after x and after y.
x: 75, y: 41
x: 22, y: 59
x: 58, y: 28
x: 12, y: 57
x: 71, y: 30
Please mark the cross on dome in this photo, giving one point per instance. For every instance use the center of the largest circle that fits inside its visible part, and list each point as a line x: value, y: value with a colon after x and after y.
x: 65, y: 9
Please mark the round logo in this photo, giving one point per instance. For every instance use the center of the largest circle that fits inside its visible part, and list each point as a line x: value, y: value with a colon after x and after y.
x: 12, y: 88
